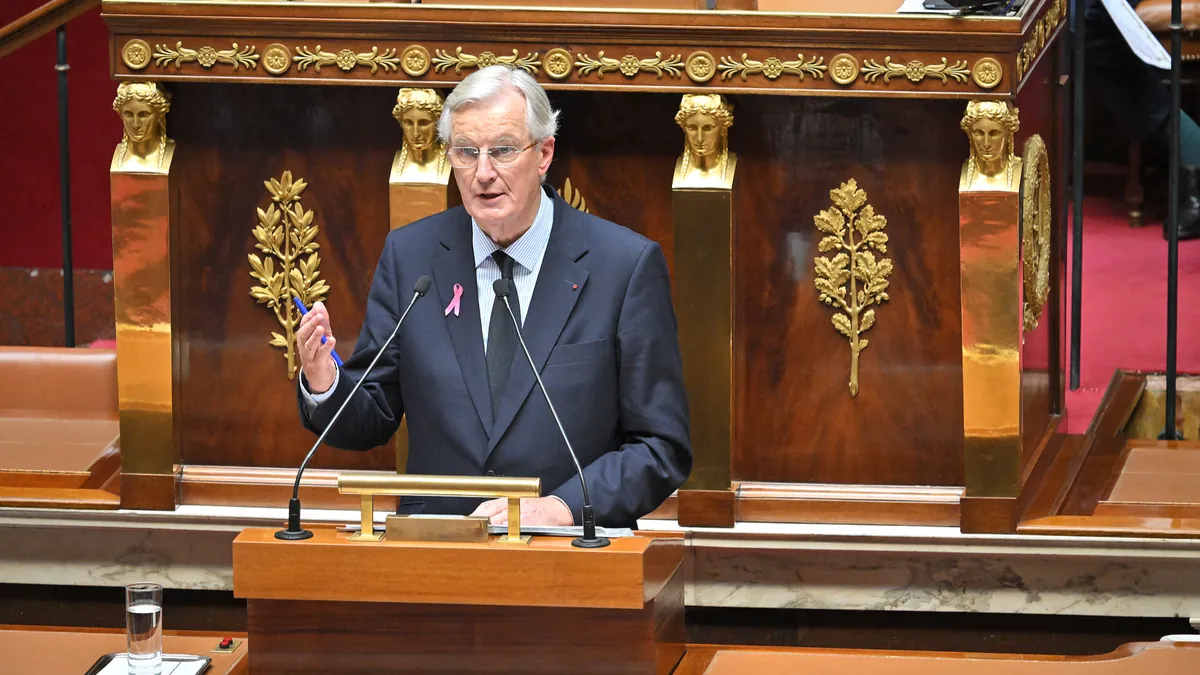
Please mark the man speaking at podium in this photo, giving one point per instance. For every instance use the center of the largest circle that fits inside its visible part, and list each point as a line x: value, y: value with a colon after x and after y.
x: 594, y: 301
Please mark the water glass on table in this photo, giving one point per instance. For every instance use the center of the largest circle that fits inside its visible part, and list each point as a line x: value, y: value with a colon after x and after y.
x: 143, y: 628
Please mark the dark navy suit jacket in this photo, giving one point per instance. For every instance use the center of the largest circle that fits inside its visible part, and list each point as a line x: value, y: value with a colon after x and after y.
x: 602, y: 331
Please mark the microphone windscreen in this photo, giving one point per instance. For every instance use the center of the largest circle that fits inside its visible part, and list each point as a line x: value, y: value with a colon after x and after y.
x: 502, y: 287
x: 422, y: 285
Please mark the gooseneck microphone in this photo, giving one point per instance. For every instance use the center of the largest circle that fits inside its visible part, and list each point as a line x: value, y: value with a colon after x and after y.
x: 293, y: 531
x: 503, y: 288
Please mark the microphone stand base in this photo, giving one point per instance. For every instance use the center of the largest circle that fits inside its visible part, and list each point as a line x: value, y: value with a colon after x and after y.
x: 594, y: 542
x: 293, y: 535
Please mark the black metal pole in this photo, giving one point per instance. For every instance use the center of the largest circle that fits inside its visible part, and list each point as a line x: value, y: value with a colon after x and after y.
x: 1079, y: 23
x: 64, y: 180
x: 1169, y: 431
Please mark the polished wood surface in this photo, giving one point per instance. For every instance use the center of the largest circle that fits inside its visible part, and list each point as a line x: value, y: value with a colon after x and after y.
x: 256, y: 486
x: 40, y: 21
x: 330, y: 605
x: 1166, y: 474
x: 35, y: 649
x: 1160, y: 658
x: 59, y: 498
x: 1104, y: 445
x: 795, y: 418
x: 848, y: 504
x: 238, y: 137
x: 354, y: 637
x: 550, y: 572
x: 707, y: 508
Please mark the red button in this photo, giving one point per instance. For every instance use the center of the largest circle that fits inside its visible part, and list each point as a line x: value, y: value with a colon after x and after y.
x: 226, y: 643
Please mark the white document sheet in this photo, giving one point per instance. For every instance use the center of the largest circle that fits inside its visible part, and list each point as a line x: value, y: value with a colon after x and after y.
x: 172, y: 665
x: 1137, y: 35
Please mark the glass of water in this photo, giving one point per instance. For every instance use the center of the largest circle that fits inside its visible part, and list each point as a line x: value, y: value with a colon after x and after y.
x: 143, y: 628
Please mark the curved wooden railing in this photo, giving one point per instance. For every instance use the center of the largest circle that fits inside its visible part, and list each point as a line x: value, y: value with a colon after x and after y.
x: 39, y: 22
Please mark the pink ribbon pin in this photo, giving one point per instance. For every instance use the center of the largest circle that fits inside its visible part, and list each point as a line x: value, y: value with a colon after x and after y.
x: 456, y: 302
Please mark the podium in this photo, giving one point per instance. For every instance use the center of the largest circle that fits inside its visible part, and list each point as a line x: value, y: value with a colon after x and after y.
x: 328, y: 604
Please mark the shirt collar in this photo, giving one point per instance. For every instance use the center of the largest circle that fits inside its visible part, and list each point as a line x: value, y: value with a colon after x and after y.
x: 528, y: 248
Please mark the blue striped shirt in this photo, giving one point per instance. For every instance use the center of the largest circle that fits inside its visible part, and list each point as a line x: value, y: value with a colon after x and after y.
x: 527, y: 252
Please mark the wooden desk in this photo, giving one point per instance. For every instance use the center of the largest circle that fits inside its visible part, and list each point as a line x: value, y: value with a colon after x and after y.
x: 39, y: 649
x: 1161, y: 658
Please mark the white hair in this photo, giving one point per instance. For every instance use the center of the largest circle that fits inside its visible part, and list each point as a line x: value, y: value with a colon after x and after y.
x: 486, y: 84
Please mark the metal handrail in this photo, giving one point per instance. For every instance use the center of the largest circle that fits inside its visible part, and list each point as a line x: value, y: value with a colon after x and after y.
x: 54, y: 15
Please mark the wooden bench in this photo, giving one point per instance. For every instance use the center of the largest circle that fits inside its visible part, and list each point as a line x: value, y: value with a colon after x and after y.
x: 59, y: 427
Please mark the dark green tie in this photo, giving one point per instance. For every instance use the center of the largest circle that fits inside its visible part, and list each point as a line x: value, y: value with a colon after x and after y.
x: 502, y: 335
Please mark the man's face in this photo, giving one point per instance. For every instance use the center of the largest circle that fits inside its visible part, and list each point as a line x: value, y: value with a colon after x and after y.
x: 419, y: 127
x: 988, y: 138
x: 703, y: 134
x: 503, y: 200
x: 139, y: 121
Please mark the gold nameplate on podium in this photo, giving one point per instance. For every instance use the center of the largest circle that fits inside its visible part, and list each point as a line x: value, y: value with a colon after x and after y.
x: 438, y: 528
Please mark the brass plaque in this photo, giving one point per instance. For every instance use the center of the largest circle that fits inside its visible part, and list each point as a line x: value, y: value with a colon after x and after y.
x: 463, y: 529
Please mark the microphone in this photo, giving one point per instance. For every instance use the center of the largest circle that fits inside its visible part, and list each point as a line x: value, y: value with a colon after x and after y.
x: 503, y: 288
x: 293, y: 531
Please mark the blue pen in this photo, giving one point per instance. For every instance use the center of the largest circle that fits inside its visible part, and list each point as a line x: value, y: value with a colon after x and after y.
x: 304, y: 310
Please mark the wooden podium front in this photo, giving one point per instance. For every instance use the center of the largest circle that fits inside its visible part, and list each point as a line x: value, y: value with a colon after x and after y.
x: 331, y: 605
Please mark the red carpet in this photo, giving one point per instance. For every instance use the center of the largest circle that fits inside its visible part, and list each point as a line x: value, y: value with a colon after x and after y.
x: 1124, y: 315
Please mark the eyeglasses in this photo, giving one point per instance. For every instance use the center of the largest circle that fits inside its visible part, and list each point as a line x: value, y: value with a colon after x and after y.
x: 465, y: 157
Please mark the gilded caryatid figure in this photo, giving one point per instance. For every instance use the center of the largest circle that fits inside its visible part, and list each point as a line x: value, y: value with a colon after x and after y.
x: 992, y: 165
x: 422, y: 158
x: 706, y: 161
x: 144, y: 147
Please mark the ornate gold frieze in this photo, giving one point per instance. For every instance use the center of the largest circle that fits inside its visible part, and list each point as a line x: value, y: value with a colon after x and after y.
x: 277, y: 59
x: 136, y: 54
x: 772, y: 67
x: 206, y: 56
x: 442, y: 61
x: 285, y: 231
x: 700, y: 66
x: 914, y: 70
x: 853, y: 279
x: 571, y: 196
x: 347, y: 59
x: 1036, y: 217
x: 558, y: 63
x: 1038, y: 35
x: 629, y: 65
x: 843, y: 69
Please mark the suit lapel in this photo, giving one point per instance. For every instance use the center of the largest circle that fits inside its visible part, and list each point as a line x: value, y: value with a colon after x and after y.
x: 456, y: 265
x: 560, y: 281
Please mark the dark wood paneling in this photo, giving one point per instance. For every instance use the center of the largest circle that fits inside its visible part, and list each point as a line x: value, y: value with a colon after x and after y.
x: 989, y: 514
x: 321, y: 637
x: 795, y: 419
x: 707, y: 508
x: 237, y: 405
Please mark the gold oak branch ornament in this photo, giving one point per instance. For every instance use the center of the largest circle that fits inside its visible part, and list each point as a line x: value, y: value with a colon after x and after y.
x: 285, y: 232
x: 853, y: 279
